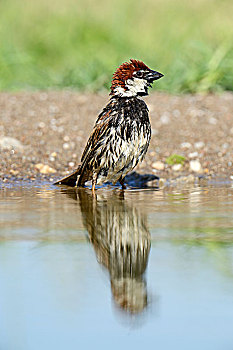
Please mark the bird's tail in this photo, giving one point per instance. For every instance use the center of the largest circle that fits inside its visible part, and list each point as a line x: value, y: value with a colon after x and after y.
x: 70, y: 180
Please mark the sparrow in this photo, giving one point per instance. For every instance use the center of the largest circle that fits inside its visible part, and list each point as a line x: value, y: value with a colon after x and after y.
x: 122, y: 131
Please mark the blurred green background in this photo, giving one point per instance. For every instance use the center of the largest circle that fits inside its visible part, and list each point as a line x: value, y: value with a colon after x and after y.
x: 79, y: 43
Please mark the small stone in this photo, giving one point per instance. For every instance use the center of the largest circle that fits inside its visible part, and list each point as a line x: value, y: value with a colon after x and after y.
x: 196, y: 112
x: 152, y: 153
x: 45, y: 169
x: 9, y: 143
x: 199, y: 144
x: 177, y: 167
x: 185, y: 145
x: 193, y: 155
x: 195, y: 166
x: 158, y: 165
x: 41, y: 125
x: 39, y: 166
x: 66, y: 145
x: 225, y: 145
x: 66, y: 138
x: 71, y: 164
x: 165, y: 118
x: 213, y: 120
x: 52, y: 156
x: 14, y: 172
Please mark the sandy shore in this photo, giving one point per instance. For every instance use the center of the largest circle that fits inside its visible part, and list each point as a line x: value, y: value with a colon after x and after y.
x: 43, y: 134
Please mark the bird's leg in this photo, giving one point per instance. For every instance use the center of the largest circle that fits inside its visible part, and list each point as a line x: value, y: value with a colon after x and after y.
x: 93, y: 183
x: 122, y: 182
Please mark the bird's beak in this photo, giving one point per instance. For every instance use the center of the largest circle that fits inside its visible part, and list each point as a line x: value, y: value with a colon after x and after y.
x: 153, y: 75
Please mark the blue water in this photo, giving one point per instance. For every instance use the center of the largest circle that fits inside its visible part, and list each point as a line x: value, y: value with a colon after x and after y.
x: 150, y: 268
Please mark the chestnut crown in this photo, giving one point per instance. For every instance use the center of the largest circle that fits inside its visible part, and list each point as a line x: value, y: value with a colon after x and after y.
x: 133, y: 79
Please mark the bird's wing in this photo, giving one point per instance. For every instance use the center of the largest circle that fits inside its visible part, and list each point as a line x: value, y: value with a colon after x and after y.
x: 97, y: 135
x: 94, y: 143
x: 84, y: 171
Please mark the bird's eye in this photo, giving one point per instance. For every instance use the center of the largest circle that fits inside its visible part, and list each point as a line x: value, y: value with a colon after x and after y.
x: 139, y: 74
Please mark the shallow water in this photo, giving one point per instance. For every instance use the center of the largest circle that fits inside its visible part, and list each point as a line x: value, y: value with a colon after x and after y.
x: 119, y: 270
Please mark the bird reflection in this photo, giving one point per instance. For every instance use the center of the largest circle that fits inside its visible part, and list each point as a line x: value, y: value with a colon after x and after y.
x: 119, y: 234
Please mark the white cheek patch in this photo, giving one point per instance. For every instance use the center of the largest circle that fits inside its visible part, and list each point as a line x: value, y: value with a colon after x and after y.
x: 121, y: 92
x: 134, y: 86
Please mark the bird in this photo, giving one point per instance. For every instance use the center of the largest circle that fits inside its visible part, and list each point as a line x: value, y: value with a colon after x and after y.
x: 122, y: 131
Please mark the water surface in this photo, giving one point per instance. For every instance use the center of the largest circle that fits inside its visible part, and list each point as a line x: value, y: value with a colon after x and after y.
x: 120, y: 270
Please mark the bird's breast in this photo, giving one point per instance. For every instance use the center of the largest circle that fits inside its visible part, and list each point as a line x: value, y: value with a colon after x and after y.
x: 125, y: 145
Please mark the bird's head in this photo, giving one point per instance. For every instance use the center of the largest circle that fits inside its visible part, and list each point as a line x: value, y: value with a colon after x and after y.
x: 133, y: 79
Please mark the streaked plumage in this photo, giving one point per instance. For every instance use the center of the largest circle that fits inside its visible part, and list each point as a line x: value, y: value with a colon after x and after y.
x: 122, y: 131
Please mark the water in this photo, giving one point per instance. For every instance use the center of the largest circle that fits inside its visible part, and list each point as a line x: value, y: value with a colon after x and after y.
x: 144, y: 268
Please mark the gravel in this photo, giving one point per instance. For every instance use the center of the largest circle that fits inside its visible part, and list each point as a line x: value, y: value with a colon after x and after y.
x: 43, y: 134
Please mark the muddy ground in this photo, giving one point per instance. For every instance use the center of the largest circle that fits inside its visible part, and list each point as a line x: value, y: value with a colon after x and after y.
x: 43, y: 134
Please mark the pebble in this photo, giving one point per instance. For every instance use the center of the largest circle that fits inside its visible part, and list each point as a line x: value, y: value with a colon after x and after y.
x: 53, y: 154
x: 14, y: 172
x: 193, y: 155
x: 45, y: 169
x: 225, y: 145
x: 177, y: 167
x: 66, y: 145
x: 199, y: 144
x: 158, y: 165
x: 165, y: 118
x: 213, y: 121
x: 185, y: 145
x: 196, y: 112
x: 9, y: 143
x: 195, y: 166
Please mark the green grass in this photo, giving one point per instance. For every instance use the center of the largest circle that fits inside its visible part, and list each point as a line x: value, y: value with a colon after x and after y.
x: 78, y: 44
x: 175, y: 159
